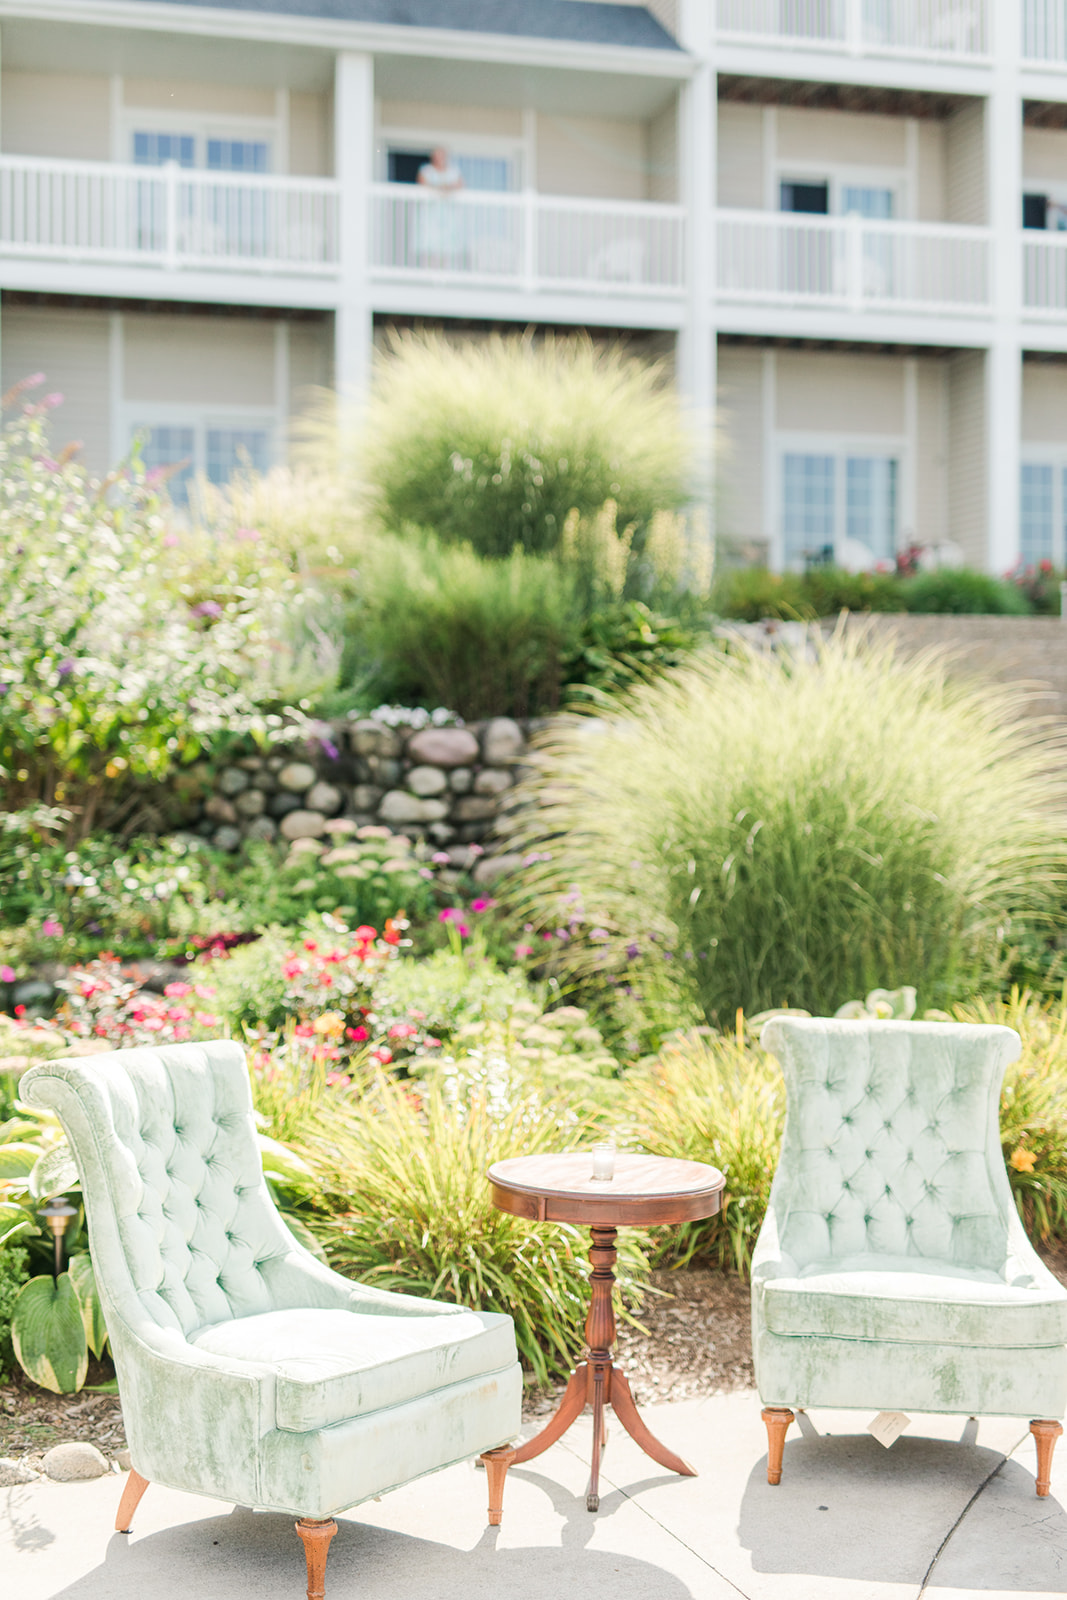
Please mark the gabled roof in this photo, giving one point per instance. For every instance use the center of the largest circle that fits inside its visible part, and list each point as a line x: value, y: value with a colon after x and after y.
x: 577, y: 21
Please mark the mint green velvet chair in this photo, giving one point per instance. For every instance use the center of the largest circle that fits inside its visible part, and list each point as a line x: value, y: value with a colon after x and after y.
x: 892, y: 1272
x: 248, y: 1370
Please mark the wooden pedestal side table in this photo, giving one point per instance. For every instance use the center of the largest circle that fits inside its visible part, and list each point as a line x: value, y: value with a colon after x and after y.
x: 645, y: 1191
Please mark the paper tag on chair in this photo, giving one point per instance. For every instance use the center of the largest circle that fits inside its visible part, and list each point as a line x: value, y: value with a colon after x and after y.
x: 888, y: 1426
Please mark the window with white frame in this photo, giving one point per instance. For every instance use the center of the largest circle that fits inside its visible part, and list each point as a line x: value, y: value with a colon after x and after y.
x: 1043, y: 511
x: 489, y: 164
x: 213, y: 446
x: 838, y: 503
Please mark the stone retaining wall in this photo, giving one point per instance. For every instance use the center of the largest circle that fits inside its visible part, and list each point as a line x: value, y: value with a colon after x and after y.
x: 446, y: 784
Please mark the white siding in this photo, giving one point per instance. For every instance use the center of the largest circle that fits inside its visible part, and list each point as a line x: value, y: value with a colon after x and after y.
x: 71, y: 349
x: 850, y: 394
x: 439, y: 119
x: 310, y: 362
x: 967, y: 455
x: 931, y: 453
x: 838, y: 137
x: 741, y: 155
x: 965, y: 166
x: 310, y: 136
x: 1044, y: 402
x: 225, y: 361
x: 59, y: 114
x: 1044, y: 155
x: 663, y: 155
x: 602, y: 157
x: 740, y: 511
x: 182, y: 94
x: 931, y: 202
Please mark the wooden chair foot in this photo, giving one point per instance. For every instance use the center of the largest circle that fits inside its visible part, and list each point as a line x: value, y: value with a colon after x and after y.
x: 133, y: 1489
x: 316, y: 1536
x: 1045, y: 1436
x: 777, y: 1420
x: 496, y: 1464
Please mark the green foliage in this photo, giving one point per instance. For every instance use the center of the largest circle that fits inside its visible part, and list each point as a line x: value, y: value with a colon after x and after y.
x: 404, y: 1204
x: 453, y: 989
x: 108, y: 669
x: 958, y: 591
x: 623, y: 646
x: 767, y: 831
x: 14, y: 1270
x: 48, y: 1333
x: 713, y: 1098
x: 493, y: 444
x: 441, y: 626
x: 751, y: 593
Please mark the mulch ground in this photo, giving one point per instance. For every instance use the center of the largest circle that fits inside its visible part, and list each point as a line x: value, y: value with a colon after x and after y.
x: 693, y: 1340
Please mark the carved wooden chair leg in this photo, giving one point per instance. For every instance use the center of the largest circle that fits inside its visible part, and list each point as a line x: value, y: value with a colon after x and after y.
x: 777, y: 1419
x: 496, y: 1464
x: 1045, y: 1436
x: 133, y: 1489
x: 316, y: 1535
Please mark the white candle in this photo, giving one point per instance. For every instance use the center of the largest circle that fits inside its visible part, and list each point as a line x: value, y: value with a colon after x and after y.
x: 603, y: 1163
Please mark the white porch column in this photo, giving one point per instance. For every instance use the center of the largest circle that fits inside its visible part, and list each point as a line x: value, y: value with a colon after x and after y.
x: 1004, y: 164
x: 354, y: 170
x: 697, y: 140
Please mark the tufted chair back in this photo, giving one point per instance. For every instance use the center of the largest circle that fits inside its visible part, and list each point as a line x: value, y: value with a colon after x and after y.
x: 165, y: 1142
x: 892, y: 1143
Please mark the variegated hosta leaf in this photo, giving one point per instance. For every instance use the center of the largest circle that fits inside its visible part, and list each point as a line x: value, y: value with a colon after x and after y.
x: 54, y: 1173
x: 18, y: 1160
x: 48, y: 1334
x: 80, y: 1270
x: 14, y: 1222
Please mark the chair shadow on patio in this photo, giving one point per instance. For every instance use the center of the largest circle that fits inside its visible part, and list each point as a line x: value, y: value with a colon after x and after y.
x: 247, y: 1554
x: 848, y: 1509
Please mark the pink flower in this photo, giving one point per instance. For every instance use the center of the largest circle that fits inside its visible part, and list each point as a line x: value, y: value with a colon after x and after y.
x: 403, y: 1030
x: 207, y: 1019
x: 51, y: 928
x: 153, y: 1024
x: 440, y: 858
x: 448, y: 915
x: 292, y: 968
x: 247, y: 535
x: 432, y: 1043
x: 382, y: 1055
x: 357, y: 1035
x: 482, y: 905
x: 177, y: 991
x: 7, y: 974
x: 522, y: 951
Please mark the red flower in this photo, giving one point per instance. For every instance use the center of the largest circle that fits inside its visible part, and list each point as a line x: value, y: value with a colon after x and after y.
x: 357, y: 1035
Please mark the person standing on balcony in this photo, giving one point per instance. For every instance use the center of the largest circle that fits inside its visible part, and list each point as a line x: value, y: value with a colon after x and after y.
x: 440, y: 225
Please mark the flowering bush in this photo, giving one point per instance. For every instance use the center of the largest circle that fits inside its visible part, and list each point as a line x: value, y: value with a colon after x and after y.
x: 108, y: 1001
x: 105, y: 672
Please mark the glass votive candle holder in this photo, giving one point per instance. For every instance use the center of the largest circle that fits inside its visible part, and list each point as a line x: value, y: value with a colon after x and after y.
x: 603, y: 1162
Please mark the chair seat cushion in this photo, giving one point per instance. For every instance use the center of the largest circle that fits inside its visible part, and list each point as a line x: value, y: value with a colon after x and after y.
x: 915, y: 1300
x: 334, y: 1365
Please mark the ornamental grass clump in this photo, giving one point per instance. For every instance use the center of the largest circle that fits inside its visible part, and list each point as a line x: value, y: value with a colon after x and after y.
x: 494, y: 443
x: 404, y: 1204
x: 767, y: 831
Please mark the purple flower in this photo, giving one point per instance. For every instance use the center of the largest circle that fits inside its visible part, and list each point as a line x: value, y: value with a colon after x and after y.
x: 3, y: 688
x: 52, y: 400
x: 329, y: 749
x: 633, y: 951
x: 66, y: 668
x: 207, y: 608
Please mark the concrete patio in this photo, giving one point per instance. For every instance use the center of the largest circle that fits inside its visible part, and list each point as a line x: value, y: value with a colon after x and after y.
x: 850, y: 1521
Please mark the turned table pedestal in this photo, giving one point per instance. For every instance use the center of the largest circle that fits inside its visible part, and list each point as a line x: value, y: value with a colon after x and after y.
x: 645, y: 1191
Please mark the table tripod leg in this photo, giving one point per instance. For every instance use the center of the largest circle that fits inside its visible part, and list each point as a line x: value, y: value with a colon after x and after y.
x: 600, y: 1388
x: 622, y: 1403
x: 571, y: 1406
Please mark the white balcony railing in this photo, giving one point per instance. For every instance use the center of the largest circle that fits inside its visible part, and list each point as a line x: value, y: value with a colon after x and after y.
x: 905, y: 27
x: 1045, y: 274
x: 1045, y: 30
x: 528, y: 241
x: 850, y: 263
x: 167, y: 216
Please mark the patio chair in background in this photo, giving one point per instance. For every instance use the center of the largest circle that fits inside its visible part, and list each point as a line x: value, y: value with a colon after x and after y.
x: 248, y: 1370
x: 892, y: 1272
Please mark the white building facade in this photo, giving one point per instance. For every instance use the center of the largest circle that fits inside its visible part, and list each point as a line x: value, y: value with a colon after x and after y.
x: 846, y: 219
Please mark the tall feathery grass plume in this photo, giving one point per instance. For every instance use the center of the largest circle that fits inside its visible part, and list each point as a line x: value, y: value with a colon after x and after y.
x: 795, y: 829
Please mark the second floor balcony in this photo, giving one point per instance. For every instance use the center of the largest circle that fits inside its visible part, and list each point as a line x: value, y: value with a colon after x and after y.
x: 953, y: 29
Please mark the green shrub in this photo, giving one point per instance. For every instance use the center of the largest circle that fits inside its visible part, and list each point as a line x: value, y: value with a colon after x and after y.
x: 622, y: 646
x: 494, y: 443
x: 107, y: 672
x: 405, y: 1205
x: 712, y: 1098
x: 769, y: 831
x: 748, y: 594
x: 441, y: 626
x: 958, y: 591
x: 14, y: 1271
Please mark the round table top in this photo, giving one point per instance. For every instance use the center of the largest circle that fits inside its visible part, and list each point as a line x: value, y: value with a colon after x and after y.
x: 645, y: 1191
